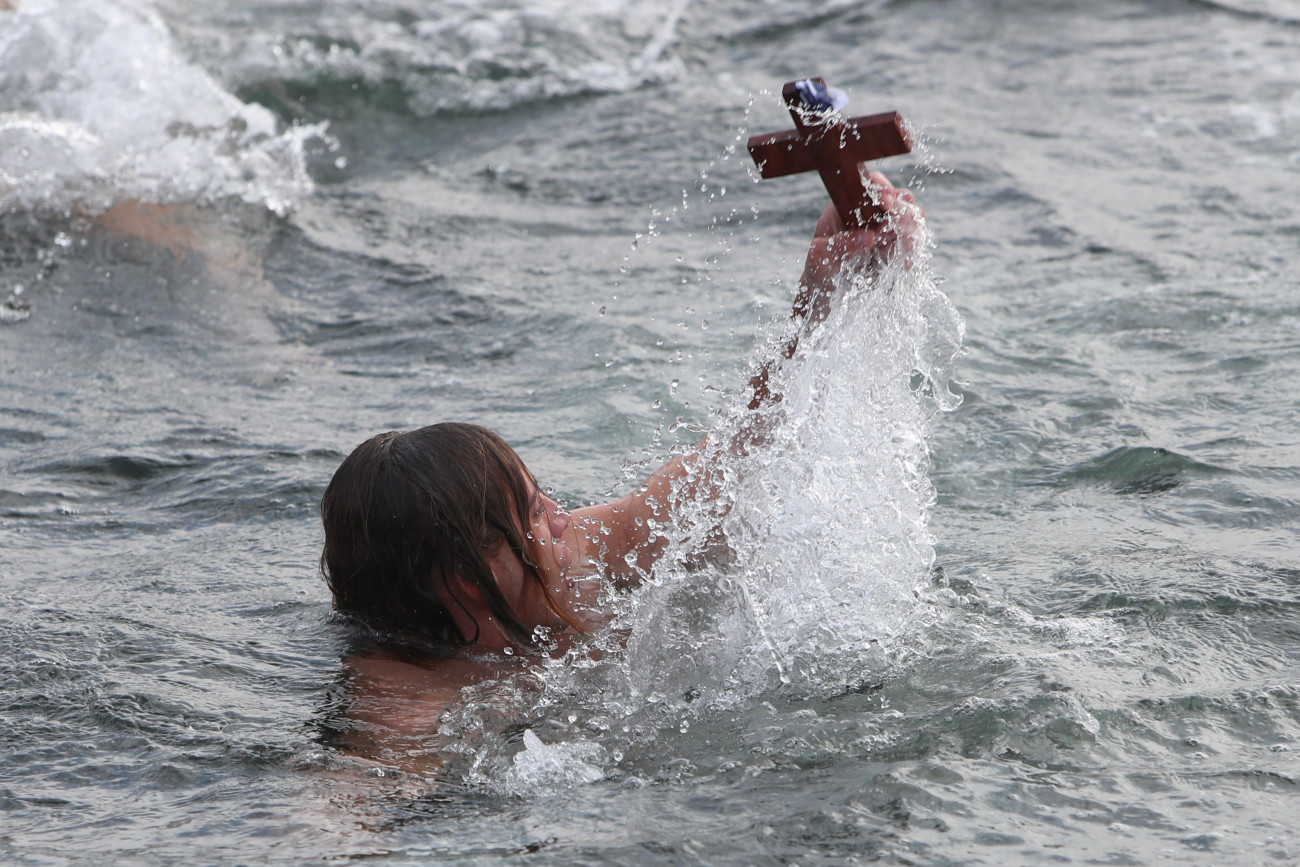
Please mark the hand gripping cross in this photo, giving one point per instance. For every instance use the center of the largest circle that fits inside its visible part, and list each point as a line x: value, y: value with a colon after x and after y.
x: 832, y: 145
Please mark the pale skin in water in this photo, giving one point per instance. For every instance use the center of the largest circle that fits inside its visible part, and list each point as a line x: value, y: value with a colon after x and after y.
x: 396, y: 702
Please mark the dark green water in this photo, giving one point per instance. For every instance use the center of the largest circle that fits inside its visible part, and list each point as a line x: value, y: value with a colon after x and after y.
x: 1100, y: 667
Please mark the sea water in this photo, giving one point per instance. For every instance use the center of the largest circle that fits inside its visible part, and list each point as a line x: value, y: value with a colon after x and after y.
x: 1035, y: 602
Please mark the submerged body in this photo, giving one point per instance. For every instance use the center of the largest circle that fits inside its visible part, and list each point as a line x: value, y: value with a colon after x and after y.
x: 441, y: 538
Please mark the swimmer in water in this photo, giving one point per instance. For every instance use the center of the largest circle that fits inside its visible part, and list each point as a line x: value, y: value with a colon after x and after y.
x: 441, y: 538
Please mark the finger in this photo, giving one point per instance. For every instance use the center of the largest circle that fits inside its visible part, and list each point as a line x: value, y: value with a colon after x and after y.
x: 893, y: 199
x: 826, y: 255
x: 855, y: 241
x: 829, y: 223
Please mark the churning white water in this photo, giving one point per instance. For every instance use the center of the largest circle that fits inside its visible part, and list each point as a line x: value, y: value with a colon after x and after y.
x: 813, y: 556
x: 98, y: 105
x: 831, y: 516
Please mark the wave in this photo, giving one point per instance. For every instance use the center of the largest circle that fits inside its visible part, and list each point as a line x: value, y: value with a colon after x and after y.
x: 98, y: 106
x: 450, y: 55
x: 1275, y: 10
x: 1142, y: 470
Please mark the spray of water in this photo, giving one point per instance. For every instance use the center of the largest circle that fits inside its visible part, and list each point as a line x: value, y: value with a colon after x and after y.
x: 805, y: 569
x: 824, y: 517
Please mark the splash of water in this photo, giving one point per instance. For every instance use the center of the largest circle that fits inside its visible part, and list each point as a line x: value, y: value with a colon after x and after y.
x: 546, y: 767
x: 806, y: 569
x: 802, y: 576
x: 97, y: 106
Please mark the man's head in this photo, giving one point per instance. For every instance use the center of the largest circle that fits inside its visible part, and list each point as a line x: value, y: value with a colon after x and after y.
x: 439, y: 532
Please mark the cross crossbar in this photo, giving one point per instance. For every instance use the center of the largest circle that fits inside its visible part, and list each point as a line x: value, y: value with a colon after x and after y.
x: 834, y: 147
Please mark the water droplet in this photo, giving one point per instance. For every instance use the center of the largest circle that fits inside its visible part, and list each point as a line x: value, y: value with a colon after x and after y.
x: 602, y: 310
x: 657, y: 404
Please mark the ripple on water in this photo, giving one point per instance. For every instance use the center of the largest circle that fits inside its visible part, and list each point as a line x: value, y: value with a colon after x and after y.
x: 1137, y: 470
x: 164, y: 487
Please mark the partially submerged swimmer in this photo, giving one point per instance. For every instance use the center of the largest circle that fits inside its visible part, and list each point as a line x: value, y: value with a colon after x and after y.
x: 441, y: 537
x: 441, y: 534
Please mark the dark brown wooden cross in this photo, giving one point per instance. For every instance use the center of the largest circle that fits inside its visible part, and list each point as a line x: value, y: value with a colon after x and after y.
x: 834, y: 147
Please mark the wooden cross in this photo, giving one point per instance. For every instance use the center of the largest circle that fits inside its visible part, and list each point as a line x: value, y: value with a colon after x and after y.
x: 834, y: 147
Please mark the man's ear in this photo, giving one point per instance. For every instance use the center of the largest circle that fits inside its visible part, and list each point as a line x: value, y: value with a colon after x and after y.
x: 466, y: 589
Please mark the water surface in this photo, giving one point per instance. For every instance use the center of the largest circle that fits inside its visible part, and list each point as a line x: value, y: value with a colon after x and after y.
x: 515, y: 215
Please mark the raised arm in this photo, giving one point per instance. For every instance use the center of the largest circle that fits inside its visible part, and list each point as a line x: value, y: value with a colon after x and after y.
x: 623, y: 535
x: 832, y: 245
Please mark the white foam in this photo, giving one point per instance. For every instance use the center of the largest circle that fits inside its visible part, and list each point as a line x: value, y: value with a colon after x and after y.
x: 97, y: 105
x: 832, y: 516
x: 541, y: 767
x: 826, y: 522
x: 1080, y: 631
x: 466, y: 55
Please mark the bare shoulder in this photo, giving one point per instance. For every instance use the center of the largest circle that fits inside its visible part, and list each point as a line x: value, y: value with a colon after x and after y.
x: 395, y: 703
x: 627, y: 529
x: 378, y: 676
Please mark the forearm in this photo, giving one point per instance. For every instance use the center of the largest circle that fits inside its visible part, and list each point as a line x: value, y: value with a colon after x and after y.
x: 832, y: 247
x: 625, y: 537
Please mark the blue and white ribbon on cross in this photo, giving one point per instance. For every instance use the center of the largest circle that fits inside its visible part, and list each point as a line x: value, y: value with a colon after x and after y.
x: 819, y: 97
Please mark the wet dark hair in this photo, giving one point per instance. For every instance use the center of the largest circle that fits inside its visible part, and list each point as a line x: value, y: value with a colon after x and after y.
x: 408, y: 510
